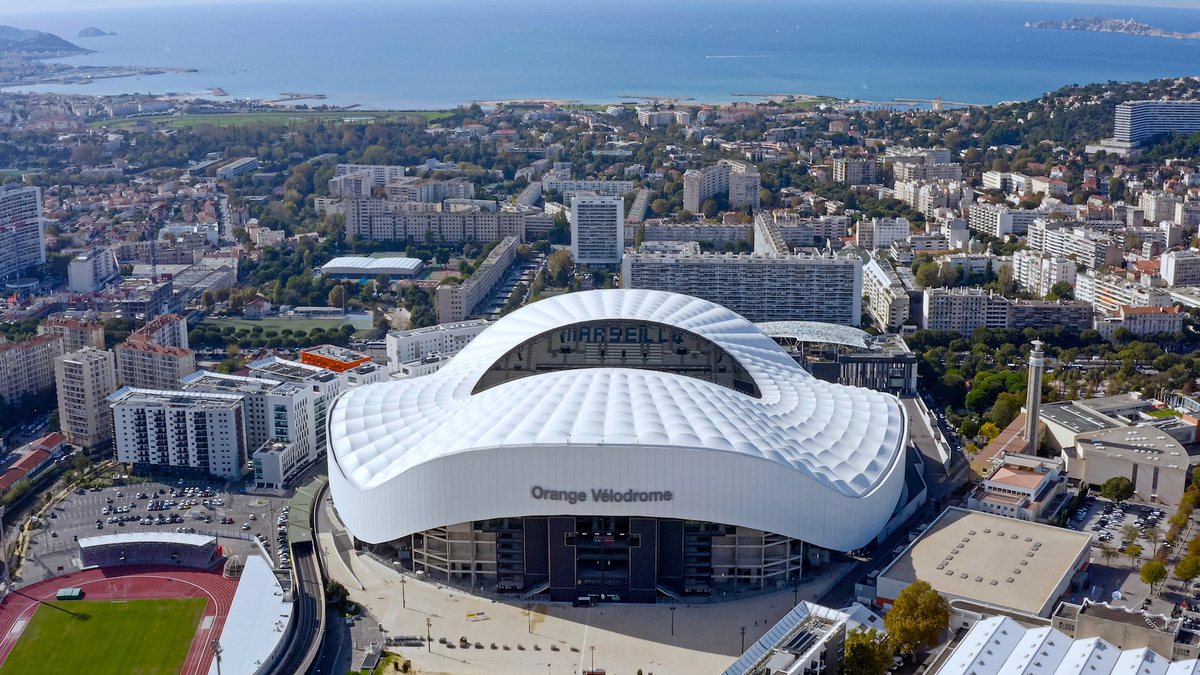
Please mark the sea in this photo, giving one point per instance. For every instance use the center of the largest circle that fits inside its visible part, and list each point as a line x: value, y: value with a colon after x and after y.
x: 408, y: 54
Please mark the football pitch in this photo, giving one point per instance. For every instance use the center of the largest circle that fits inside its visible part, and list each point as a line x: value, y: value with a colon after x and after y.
x: 142, y: 637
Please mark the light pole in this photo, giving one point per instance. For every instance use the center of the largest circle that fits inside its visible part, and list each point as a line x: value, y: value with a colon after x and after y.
x: 593, y: 648
x: 743, y: 639
x: 216, y: 647
x: 428, y: 636
x: 672, y: 620
x: 796, y: 594
x: 403, y: 601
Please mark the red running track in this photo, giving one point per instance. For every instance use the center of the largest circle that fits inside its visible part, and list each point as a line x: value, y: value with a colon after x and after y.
x: 136, y: 582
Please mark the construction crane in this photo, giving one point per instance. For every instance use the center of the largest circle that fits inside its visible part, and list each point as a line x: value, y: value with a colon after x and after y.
x: 938, y: 103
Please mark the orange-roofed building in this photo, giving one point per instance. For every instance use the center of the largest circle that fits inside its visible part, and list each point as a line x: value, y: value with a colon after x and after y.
x: 1008, y: 442
x: 332, y: 357
x: 1022, y: 487
x: 51, y: 443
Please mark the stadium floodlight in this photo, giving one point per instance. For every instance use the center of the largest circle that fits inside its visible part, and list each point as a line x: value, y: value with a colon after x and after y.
x: 216, y: 647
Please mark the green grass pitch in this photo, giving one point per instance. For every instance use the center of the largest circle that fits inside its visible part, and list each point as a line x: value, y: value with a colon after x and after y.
x: 141, y: 637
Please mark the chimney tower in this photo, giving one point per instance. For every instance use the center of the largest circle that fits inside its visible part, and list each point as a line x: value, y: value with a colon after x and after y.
x: 1033, y: 395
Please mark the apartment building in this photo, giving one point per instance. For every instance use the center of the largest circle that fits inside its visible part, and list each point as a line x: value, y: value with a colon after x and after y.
x: 887, y: 299
x: 352, y: 186
x: 237, y: 168
x: 155, y: 430
x: 896, y: 154
x: 385, y: 220
x: 85, y: 378
x: 910, y: 171
x: 963, y: 310
x: 617, y: 188
x: 21, y: 229
x: 92, y: 270
x: 1108, y: 292
x: 445, y: 339
x: 718, y: 233
x: 1181, y: 268
x: 976, y: 263
x: 1038, y: 272
x: 739, y: 179
x: 1141, y: 321
x: 76, y: 334
x: 597, y: 230
x: 759, y: 287
x: 168, y: 330
x: 649, y: 117
x: 379, y: 174
x: 878, y: 233
x: 323, y: 384
x: 929, y: 196
x: 1159, y: 205
x: 1135, y: 121
x: 27, y: 368
x: 456, y: 302
x: 412, y: 189
x: 146, y: 365
x: 854, y: 171
x: 1187, y: 214
x: 1001, y: 221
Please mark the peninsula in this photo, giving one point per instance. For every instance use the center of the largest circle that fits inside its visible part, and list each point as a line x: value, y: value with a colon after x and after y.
x: 1102, y: 24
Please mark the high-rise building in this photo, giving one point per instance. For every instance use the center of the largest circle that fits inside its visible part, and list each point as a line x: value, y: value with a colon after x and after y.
x: 156, y: 429
x: 1038, y: 272
x: 92, y: 270
x: 85, y: 379
x: 887, y: 299
x: 965, y: 309
x: 444, y: 339
x: 739, y: 179
x: 1181, y: 268
x: 28, y: 367
x: 854, y: 171
x: 879, y: 233
x: 1135, y: 121
x: 597, y: 229
x: 759, y: 287
x: 1033, y: 397
x: 456, y: 302
x: 379, y: 174
x: 324, y: 384
x: 21, y: 230
x: 1108, y: 292
x: 146, y: 365
x: 76, y: 334
x: 1001, y: 221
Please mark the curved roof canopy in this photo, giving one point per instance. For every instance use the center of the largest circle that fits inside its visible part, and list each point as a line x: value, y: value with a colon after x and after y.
x: 816, y: 331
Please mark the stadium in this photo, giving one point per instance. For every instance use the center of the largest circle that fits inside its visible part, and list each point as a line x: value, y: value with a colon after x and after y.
x: 622, y: 443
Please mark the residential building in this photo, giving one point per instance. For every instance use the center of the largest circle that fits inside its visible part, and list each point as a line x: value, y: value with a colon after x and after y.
x: 649, y: 117
x: 254, y: 392
x: 1021, y: 487
x: 92, y: 270
x: 168, y: 330
x: 897, y: 154
x: 76, y: 334
x: 887, y: 299
x: 276, y: 463
x: 758, y: 287
x: 976, y: 263
x: 878, y: 233
x: 718, y: 233
x: 854, y: 171
x: 739, y: 179
x: 911, y: 171
x: 617, y: 188
x: 445, y: 339
x: 965, y: 309
x: 1181, y: 268
x: 597, y: 229
x: 429, y: 190
x: 324, y: 384
x: 1038, y: 272
x: 332, y: 357
x: 157, y: 430
x: 1135, y: 121
x: 384, y: 220
x: 237, y: 168
x: 1187, y: 214
x: 456, y: 302
x: 379, y: 174
x: 1159, y: 205
x: 1050, y: 187
x: 1108, y: 292
x: 1076, y: 241
x: 1141, y: 321
x: 21, y: 229
x: 352, y: 186
x: 85, y: 379
x: 27, y: 368
x: 1001, y: 221
x: 143, y: 364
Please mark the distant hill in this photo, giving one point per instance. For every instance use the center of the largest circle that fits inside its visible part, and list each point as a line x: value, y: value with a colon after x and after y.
x: 1103, y: 24
x: 35, y: 44
x: 93, y: 32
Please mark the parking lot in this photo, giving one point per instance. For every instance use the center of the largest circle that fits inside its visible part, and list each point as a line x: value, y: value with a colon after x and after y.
x: 1107, y: 523
x: 193, y: 506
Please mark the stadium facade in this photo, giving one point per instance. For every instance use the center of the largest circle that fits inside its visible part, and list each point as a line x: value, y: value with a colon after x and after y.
x: 628, y: 443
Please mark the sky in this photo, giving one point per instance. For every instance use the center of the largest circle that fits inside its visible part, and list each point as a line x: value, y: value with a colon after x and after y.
x: 14, y: 7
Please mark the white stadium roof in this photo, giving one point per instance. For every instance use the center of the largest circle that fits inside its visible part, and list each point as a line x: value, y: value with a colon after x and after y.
x: 372, y: 266
x: 809, y: 459
x: 816, y: 331
x: 148, y: 538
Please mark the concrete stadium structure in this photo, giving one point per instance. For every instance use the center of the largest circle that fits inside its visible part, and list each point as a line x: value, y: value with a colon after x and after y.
x: 626, y: 443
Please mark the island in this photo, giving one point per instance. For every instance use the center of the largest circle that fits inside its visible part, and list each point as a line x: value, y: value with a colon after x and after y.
x: 1103, y: 24
x: 93, y: 32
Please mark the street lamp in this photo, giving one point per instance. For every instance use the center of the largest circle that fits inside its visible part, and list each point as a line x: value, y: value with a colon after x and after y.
x: 593, y: 648
x: 403, y: 601
x: 672, y: 620
x: 428, y: 636
x: 216, y: 647
x: 743, y: 639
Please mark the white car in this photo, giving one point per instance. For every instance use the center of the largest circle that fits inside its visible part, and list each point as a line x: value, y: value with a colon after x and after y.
x: 245, y: 526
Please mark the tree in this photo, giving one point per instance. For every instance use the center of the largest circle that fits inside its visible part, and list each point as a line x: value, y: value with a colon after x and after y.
x: 382, y: 282
x: 867, y: 653
x: 1117, y: 489
x: 1153, y: 574
x: 1133, y: 551
x: 1108, y: 553
x: 1063, y: 290
x: 918, y: 617
x: 1188, y: 568
x: 87, y: 154
x: 1153, y: 535
x: 970, y: 428
x: 709, y: 208
x: 81, y: 462
x: 683, y: 216
x: 337, y: 296
x: 990, y: 430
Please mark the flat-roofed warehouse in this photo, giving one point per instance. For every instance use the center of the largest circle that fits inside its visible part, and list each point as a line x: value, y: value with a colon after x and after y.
x: 978, y: 560
x: 356, y: 267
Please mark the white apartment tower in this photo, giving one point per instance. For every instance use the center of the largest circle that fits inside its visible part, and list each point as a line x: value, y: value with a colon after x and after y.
x: 739, y: 179
x: 879, y: 233
x: 171, y: 429
x: 1135, y: 121
x: 85, y: 379
x: 597, y: 229
x: 1181, y: 268
x: 21, y: 230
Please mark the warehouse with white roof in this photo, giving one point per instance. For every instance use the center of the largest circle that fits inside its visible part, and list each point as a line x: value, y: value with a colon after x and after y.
x: 358, y: 267
x: 628, y: 443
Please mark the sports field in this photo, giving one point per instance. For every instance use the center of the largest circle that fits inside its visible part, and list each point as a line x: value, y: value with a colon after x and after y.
x: 142, y: 637
x: 305, y: 325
